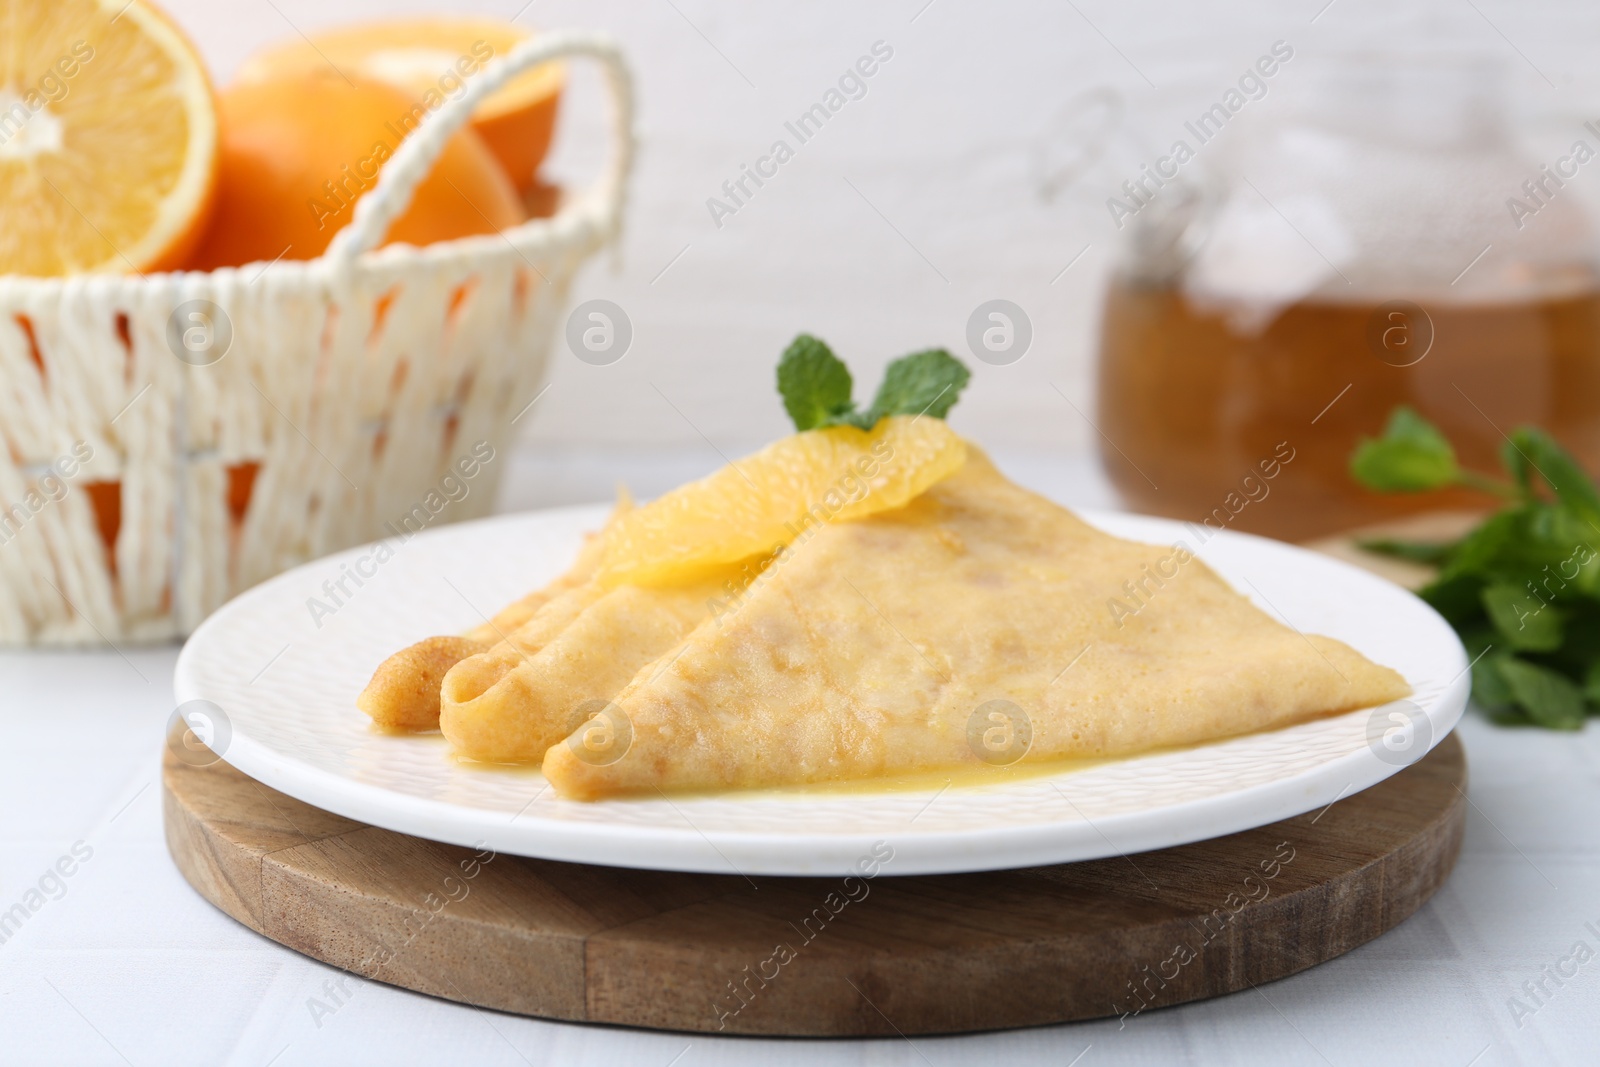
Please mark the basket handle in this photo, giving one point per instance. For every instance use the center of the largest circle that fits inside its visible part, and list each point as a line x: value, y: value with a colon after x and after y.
x: 412, y: 161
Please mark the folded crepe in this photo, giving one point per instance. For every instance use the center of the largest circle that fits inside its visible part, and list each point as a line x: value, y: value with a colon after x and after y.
x: 404, y: 691
x: 513, y: 702
x: 979, y: 624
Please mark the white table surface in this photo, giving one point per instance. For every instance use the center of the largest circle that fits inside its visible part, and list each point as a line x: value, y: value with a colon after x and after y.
x: 127, y: 964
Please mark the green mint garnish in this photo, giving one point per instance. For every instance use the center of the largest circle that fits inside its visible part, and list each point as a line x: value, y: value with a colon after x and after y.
x: 1412, y: 456
x: 816, y: 386
x: 1523, y: 588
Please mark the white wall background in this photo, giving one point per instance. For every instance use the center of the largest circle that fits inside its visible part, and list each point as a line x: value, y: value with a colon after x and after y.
x: 919, y: 201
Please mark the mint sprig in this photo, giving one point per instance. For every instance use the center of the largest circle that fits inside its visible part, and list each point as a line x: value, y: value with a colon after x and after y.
x: 1412, y: 456
x: 816, y: 386
x: 1523, y: 588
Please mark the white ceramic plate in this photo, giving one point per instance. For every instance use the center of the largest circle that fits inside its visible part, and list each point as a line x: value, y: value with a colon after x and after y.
x: 285, y: 672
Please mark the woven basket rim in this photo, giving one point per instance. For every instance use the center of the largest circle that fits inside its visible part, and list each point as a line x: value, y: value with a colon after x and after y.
x: 571, y: 225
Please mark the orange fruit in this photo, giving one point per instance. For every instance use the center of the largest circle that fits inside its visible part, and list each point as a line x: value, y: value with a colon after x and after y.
x: 108, y: 138
x: 759, y: 503
x: 431, y: 59
x: 299, y: 150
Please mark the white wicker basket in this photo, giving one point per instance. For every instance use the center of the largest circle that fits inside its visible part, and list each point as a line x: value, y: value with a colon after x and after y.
x: 354, y: 386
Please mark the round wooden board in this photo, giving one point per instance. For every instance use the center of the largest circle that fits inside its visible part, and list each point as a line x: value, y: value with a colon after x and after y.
x: 815, y: 956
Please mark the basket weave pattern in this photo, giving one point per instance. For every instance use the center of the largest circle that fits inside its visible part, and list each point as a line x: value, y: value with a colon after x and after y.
x: 140, y: 490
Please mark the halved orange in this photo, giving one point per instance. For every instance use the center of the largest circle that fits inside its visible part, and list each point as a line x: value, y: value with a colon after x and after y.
x: 108, y: 138
x: 765, y: 501
x: 432, y: 59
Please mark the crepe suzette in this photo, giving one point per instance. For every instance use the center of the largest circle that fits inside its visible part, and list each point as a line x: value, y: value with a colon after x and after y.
x: 891, y: 605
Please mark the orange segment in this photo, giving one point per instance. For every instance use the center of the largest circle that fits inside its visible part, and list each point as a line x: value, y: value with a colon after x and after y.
x: 764, y: 501
x: 300, y: 150
x: 431, y: 59
x: 108, y: 138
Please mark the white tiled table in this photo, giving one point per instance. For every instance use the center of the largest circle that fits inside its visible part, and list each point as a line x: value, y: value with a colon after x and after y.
x: 126, y: 964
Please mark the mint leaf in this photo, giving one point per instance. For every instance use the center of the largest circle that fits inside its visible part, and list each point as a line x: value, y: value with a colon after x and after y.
x: 1591, y: 684
x: 1415, y: 551
x: 1510, y: 718
x: 923, y: 383
x: 1457, y: 598
x: 1550, y: 699
x: 1516, y: 464
x: 1522, y: 619
x: 1473, y: 554
x: 1412, y: 456
x: 1557, y: 467
x: 1489, y: 686
x: 814, y: 383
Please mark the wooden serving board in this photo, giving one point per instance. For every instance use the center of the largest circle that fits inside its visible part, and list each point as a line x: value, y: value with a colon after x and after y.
x: 910, y: 955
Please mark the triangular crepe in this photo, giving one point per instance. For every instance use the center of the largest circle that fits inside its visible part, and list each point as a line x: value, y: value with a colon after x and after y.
x: 403, y: 693
x: 514, y: 701
x: 889, y: 645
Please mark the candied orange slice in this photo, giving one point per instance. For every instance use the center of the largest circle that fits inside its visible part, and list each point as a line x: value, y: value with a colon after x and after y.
x: 757, y: 504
